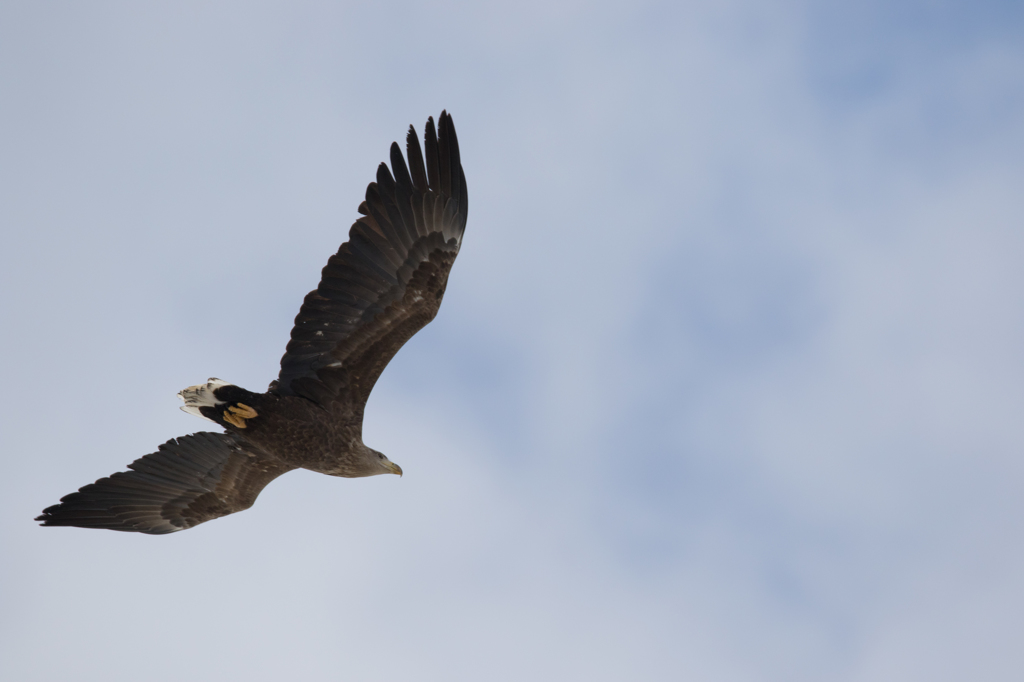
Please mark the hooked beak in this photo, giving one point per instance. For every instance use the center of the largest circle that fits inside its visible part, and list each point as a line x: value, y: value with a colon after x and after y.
x: 393, y: 468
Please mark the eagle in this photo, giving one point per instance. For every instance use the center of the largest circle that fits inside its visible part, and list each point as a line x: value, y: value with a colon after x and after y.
x: 382, y: 286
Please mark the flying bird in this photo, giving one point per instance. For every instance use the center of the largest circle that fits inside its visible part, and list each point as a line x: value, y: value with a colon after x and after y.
x: 382, y: 286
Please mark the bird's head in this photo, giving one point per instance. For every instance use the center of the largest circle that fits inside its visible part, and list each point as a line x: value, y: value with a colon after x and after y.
x: 385, y: 464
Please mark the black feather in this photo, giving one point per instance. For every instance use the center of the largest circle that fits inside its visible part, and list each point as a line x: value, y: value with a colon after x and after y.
x: 411, y: 210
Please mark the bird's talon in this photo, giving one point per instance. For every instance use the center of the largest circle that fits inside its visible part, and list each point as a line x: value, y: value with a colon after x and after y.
x: 243, y: 411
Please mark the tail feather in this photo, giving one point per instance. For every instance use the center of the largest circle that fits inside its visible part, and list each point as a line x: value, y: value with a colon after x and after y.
x: 222, y: 403
x: 202, y: 395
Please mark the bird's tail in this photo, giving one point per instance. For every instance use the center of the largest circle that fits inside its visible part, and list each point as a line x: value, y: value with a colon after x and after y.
x: 220, y: 402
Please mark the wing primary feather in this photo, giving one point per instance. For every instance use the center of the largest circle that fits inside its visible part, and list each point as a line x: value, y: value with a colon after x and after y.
x: 385, y: 179
x: 377, y: 232
x: 463, y: 200
x: 427, y: 211
x: 377, y: 199
x: 444, y: 155
x: 383, y: 207
x: 377, y: 252
x: 416, y: 167
x: 404, y: 213
x: 399, y: 168
x: 437, y: 215
x: 430, y: 145
x: 448, y: 219
x: 455, y: 160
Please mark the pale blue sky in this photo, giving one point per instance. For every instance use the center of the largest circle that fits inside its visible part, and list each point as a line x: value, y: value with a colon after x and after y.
x: 727, y: 383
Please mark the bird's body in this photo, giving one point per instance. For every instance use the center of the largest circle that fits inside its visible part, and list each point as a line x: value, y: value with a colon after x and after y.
x: 380, y: 288
x: 288, y: 430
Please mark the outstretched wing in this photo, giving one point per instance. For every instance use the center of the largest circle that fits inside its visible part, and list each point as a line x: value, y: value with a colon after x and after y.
x: 386, y: 282
x: 187, y: 481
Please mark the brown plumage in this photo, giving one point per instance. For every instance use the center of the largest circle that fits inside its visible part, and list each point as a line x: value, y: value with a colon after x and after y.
x: 381, y: 287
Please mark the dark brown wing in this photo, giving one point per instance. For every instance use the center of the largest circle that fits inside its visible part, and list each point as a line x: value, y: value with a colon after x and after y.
x: 386, y: 282
x: 187, y: 481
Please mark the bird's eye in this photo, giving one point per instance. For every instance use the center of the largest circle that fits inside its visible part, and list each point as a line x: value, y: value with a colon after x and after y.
x: 380, y: 455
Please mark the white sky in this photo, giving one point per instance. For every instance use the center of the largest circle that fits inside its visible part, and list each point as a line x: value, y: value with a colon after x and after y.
x: 727, y: 384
